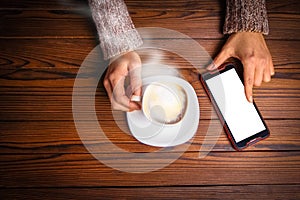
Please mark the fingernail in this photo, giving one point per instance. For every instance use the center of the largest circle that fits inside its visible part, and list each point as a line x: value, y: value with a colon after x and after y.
x: 251, y: 99
x: 210, y: 67
x: 135, y: 98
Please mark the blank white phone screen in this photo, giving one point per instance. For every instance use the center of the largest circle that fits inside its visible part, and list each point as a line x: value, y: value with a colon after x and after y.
x: 240, y: 115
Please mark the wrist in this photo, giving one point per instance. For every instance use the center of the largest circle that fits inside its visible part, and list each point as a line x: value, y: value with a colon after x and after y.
x: 112, y: 59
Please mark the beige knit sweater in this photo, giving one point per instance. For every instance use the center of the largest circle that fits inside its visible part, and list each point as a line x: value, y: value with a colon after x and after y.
x: 117, y: 33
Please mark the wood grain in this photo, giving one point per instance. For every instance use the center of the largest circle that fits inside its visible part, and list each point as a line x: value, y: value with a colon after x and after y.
x: 70, y: 53
x: 196, y: 24
x: 289, y: 6
x: 38, y: 137
x: 42, y: 46
x: 47, y: 108
x: 247, y: 192
x: 82, y: 170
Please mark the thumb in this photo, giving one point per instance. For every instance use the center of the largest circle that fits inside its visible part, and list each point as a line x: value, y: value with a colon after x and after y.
x: 219, y: 60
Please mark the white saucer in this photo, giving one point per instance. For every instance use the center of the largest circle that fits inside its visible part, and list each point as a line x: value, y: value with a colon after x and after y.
x: 157, y: 135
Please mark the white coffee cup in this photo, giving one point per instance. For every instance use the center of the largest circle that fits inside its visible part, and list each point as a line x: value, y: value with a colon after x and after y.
x: 164, y: 103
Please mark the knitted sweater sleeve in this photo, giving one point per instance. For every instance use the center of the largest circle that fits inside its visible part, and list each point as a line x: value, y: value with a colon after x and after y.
x: 116, y: 30
x: 246, y: 16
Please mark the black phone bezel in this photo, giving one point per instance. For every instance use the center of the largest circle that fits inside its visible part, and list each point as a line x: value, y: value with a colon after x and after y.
x: 248, y: 141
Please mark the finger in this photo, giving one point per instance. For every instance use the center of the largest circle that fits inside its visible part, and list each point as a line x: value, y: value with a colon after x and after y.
x: 109, y: 90
x: 124, y: 100
x: 108, y: 87
x: 134, y: 106
x: 267, y: 73
x: 119, y: 91
x: 136, y: 81
x: 272, y: 69
x: 219, y: 59
x: 135, y: 86
x: 119, y: 96
x: 248, y: 80
x: 259, y: 70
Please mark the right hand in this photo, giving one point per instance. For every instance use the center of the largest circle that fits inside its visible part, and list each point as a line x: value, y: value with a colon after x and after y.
x: 251, y: 49
x: 128, y: 64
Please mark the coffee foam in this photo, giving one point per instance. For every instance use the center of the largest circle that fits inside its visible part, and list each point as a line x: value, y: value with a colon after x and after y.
x: 164, y: 102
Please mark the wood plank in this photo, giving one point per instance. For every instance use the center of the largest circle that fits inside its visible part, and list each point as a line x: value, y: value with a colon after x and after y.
x: 80, y: 170
x: 288, y: 6
x: 55, y: 108
x: 284, y: 78
x: 74, y: 24
x: 209, y: 25
x: 38, y: 137
x: 70, y: 53
x: 36, y: 23
x: 60, y: 107
x: 44, y: 53
x: 273, y: 6
x: 246, y: 192
x: 40, y: 5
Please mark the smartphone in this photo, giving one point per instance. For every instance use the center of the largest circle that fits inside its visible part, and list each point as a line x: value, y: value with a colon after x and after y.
x: 241, y: 120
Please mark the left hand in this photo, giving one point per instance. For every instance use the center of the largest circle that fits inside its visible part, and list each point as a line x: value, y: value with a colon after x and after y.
x: 251, y: 49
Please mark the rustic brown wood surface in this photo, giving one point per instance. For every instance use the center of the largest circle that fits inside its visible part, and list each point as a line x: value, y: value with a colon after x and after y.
x: 42, y: 46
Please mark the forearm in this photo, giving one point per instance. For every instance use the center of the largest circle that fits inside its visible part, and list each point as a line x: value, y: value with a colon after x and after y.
x: 116, y: 30
x: 246, y: 16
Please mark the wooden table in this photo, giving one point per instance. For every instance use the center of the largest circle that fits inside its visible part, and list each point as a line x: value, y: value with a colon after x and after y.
x: 42, y: 46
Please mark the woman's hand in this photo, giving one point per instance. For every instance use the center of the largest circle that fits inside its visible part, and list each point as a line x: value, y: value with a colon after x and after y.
x: 128, y: 64
x: 251, y: 49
